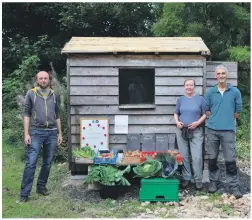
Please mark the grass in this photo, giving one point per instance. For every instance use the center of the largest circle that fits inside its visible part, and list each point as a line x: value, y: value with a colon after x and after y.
x: 227, y: 208
x: 213, y: 197
x: 38, y: 206
x: 59, y: 204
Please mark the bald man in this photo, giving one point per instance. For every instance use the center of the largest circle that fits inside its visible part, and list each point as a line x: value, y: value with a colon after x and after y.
x: 42, y: 116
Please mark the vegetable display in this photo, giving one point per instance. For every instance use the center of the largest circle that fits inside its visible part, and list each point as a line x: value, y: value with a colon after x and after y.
x: 174, y: 154
x: 135, y: 153
x: 85, y: 152
x: 169, y: 163
x: 108, y: 175
x: 147, y: 169
x: 105, y: 154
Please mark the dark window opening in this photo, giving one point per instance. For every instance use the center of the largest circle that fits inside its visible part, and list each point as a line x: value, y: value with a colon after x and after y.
x: 136, y: 86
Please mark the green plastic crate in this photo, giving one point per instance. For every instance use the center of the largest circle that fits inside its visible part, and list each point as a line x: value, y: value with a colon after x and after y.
x: 159, y: 189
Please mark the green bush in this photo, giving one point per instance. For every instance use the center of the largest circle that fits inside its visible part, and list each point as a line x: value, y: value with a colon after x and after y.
x: 13, y: 123
x: 13, y: 137
x: 62, y: 150
x: 14, y: 85
x: 243, y: 130
x: 13, y: 127
x: 13, y: 133
x: 243, y: 149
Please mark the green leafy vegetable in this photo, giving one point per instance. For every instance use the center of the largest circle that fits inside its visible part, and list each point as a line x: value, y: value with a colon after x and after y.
x: 86, y: 152
x: 147, y: 169
x: 108, y: 175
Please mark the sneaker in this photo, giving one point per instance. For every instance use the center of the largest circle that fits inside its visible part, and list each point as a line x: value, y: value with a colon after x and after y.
x: 236, y: 192
x: 184, y: 184
x: 43, y: 191
x: 198, y: 185
x: 22, y: 199
x: 212, y: 187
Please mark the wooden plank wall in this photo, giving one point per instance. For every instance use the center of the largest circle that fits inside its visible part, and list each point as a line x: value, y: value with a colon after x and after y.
x: 94, y: 91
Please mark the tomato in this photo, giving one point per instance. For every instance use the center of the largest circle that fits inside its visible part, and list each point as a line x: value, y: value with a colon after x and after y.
x: 179, y: 158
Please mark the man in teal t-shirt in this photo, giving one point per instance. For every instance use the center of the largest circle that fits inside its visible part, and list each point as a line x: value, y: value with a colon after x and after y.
x: 223, y: 105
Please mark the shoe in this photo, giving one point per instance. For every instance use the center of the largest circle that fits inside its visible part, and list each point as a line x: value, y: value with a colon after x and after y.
x: 236, y: 192
x: 198, y: 185
x: 43, y: 191
x: 221, y: 190
x: 212, y: 187
x: 22, y: 199
x: 184, y: 184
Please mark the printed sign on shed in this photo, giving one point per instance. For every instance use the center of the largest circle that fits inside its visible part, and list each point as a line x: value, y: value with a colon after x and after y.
x: 148, y: 143
x: 94, y: 133
x: 121, y: 124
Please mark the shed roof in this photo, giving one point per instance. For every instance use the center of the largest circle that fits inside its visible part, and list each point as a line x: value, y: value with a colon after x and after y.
x: 136, y: 45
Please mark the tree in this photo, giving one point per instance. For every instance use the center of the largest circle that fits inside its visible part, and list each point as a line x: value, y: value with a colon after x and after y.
x: 224, y: 27
x: 34, y: 35
x: 24, y: 24
x: 220, y: 25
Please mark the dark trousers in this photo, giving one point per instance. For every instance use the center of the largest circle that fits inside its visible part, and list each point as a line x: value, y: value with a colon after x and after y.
x: 227, y: 141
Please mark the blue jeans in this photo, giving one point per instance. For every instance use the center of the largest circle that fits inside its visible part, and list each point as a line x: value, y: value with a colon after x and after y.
x: 47, y: 139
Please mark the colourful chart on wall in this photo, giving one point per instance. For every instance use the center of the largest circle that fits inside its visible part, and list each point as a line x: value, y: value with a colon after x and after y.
x: 94, y: 133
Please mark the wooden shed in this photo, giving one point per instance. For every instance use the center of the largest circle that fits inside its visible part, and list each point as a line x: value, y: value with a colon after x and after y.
x: 141, y: 77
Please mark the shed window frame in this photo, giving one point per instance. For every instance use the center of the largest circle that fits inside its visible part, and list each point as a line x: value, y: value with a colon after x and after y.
x: 146, y: 105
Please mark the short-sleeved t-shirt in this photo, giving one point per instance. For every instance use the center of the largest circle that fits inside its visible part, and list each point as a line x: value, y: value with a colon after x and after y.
x: 190, y: 109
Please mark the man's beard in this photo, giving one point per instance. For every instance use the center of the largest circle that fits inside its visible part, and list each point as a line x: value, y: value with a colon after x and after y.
x: 43, y: 86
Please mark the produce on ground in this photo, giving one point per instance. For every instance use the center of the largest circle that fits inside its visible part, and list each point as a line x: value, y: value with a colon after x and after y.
x: 147, y: 169
x: 107, y: 175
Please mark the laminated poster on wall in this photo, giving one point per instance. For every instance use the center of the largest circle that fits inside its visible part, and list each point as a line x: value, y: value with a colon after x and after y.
x: 121, y: 124
x: 94, y: 133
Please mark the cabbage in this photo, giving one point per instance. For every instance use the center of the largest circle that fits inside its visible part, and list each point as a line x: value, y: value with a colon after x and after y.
x: 147, y: 169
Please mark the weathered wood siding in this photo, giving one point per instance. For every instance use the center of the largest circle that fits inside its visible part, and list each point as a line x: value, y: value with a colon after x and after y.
x: 94, y: 91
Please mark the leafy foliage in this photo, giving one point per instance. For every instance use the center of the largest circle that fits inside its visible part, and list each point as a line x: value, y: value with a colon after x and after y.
x: 148, y: 169
x: 108, y: 175
x: 15, y: 84
x: 34, y: 34
x: 240, y: 54
x: 243, y: 149
x: 225, y: 29
x: 243, y: 131
x: 221, y: 25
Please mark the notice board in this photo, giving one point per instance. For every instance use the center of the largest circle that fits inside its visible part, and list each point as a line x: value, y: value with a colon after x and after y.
x: 94, y: 133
